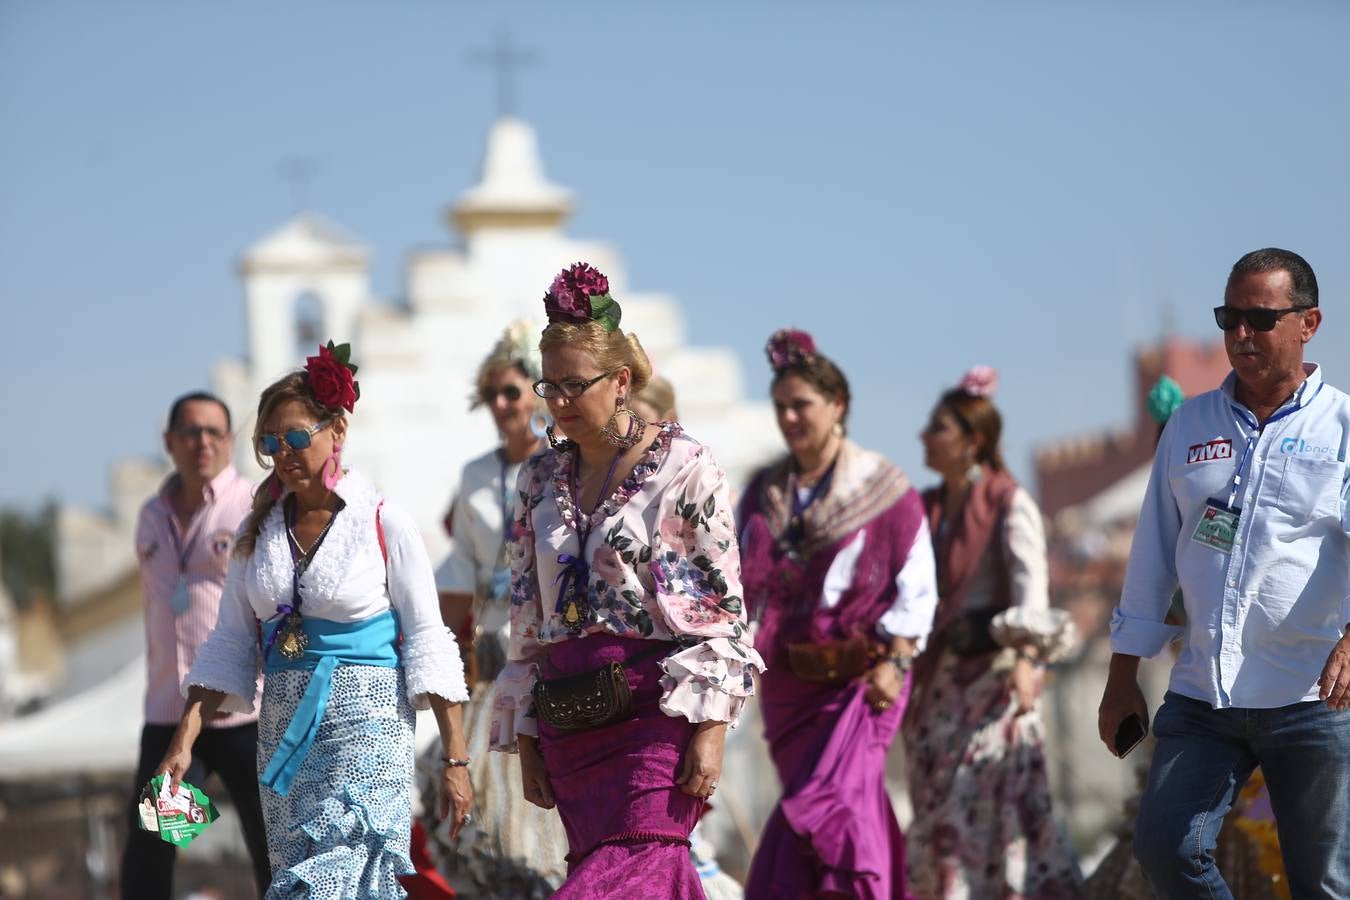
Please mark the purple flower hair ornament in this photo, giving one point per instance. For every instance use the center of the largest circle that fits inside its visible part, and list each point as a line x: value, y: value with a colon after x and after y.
x: 789, y: 347
x: 980, y: 381
x: 579, y: 294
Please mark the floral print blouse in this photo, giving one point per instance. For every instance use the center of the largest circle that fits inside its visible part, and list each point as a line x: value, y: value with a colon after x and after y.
x: 664, y: 565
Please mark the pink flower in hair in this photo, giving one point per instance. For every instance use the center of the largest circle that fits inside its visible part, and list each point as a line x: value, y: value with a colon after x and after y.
x: 980, y: 381
x: 789, y: 347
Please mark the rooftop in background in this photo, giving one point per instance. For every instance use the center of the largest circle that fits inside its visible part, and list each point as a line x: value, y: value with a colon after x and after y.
x: 1074, y: 470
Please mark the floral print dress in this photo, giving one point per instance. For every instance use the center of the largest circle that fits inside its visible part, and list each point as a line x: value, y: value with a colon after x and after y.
x: 663, y: 565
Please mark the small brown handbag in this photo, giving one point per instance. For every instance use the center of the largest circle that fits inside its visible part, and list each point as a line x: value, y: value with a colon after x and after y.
x: 586, y: 700
x: 834, y: 662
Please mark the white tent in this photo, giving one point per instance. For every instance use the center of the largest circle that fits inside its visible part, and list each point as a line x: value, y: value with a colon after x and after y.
x: 95, y: 731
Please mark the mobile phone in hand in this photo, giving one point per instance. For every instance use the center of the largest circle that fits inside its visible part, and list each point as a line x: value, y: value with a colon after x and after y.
x: 1129, y: 734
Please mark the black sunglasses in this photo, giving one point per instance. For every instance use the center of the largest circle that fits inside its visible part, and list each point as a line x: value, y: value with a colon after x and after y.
x: 203, y: 432
x: 1258, y: 319
x: 489, y: 395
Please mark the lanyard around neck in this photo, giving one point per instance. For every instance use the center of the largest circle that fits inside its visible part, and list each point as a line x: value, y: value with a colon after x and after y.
x: 584, y: 523
x: 1290, y: 407
x: 796, y: 529
x: 300, y: 559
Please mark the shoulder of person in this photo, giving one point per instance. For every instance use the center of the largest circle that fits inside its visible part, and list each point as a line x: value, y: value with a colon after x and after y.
x: 397, y: 523
x: 239, y: 490
x: 483, y: 467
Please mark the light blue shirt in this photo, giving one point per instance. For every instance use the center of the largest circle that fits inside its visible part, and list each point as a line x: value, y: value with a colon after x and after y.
x: 1262, y: 618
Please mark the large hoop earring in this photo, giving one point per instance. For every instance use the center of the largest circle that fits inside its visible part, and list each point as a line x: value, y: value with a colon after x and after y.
x: 557, y: 443
x: 637, y: 426
x: 539, y: 425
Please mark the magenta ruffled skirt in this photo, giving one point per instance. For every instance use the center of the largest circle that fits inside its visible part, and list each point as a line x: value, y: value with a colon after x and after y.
x: 834, y: 833
x: 627, y: 822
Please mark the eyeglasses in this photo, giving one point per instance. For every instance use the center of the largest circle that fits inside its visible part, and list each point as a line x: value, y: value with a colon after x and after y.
x: 489, y: 395
x: 295, y: 439
x: 1257, y: 319
x: 571, y: 388
x: 187, y: 432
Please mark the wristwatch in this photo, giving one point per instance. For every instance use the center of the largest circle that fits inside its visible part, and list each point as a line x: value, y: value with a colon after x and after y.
x: 902, y: 662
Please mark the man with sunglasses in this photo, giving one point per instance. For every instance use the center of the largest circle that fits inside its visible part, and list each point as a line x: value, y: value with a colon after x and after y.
x: 183, y: 540
x: 1246, y: 511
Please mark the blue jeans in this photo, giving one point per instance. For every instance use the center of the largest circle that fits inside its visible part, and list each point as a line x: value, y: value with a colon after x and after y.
x: 1203, y: 758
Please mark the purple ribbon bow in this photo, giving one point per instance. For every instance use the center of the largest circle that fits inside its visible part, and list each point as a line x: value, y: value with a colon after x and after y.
x: 283, y: 610
x: 575, y: 572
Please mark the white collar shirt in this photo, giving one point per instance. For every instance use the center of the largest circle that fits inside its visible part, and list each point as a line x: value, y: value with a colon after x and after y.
x: 1263, y: 616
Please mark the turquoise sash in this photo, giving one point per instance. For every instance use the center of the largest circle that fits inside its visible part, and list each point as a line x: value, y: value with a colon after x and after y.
x: 369, y: 642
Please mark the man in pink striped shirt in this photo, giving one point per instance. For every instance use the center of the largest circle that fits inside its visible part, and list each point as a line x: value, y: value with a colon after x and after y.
x: 183, y: 540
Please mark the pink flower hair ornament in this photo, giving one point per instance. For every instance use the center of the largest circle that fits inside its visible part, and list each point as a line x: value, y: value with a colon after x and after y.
x: 580, y: 294
x: 980, y: 381
x: 789, y: 347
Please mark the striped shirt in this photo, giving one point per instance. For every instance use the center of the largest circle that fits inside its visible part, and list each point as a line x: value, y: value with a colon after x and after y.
x: 200, y: 557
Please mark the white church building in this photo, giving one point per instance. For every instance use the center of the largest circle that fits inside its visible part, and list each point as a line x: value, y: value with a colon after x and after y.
x: 412, y: 431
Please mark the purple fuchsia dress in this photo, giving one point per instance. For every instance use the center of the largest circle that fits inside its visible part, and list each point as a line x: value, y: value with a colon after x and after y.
x: 660, y: 595
x: 853, y: 563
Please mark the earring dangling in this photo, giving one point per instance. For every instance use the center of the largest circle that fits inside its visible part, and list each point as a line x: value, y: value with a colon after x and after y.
x: 839, y: 429
x: 625, y: 440
x: 560, y: 444
x: 332, y: 468
x: 538, y: 425
x: 273, y: 485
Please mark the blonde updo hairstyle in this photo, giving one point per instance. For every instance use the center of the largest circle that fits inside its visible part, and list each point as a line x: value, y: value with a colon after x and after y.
x: 508, y: 353
x: 292, y: 386
x: 611, y: 350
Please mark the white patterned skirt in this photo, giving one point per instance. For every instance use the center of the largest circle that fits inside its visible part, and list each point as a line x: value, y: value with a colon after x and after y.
x: 513, y: 850
x: 343, y: 830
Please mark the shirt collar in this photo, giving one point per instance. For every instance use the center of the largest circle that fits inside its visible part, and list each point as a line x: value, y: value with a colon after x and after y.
x: 1312, y: 383
x: 224, y: 478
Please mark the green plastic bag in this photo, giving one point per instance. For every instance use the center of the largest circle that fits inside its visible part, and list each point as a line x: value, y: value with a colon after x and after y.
x: 178, y: 818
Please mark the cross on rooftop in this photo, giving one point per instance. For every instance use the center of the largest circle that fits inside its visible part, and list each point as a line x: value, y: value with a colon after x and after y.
x: 298, y: 172
x: 504, y: 57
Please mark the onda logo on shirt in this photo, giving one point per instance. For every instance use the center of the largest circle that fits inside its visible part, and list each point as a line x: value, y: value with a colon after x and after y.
x: 1216, y: 449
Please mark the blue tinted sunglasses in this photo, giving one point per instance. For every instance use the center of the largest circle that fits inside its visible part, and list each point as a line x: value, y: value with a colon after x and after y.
x: 295, y: 439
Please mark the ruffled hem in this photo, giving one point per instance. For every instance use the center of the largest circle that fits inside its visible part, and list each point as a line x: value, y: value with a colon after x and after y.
x: 513, y: 707
x: 1050, y: 631
x: 710, y: 682
x: 355, y: 840
x: 227, y: 664
x: 432, y: 665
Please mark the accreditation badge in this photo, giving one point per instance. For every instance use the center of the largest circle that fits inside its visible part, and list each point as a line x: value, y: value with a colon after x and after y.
x: 179, y: 600
x: 1217, y: 526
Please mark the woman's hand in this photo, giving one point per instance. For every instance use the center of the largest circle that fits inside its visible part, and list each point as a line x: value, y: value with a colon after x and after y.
x: 884, y: 683
x: 537, y: 788
x: 175, y: 764
x: 1025, y: 683
x: 456, y: 797
x: 703, y: 760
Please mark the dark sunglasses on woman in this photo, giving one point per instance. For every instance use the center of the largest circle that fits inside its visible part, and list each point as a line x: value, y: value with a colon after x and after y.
x: 1258, y: 319
x: 489, y: 394
x: 296, y: 439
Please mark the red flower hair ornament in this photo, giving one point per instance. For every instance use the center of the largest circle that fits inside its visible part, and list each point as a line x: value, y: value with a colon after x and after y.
x: 332, y: 377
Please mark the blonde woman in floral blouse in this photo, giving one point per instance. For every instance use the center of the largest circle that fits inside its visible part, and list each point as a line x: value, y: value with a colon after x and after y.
x: 628, y: 657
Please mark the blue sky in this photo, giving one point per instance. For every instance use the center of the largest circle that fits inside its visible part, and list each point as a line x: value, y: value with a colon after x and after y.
x: 1037, y: 186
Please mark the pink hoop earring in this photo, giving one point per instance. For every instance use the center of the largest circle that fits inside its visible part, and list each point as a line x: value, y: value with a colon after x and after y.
x: 273, y: 485
x: 331, y: 476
